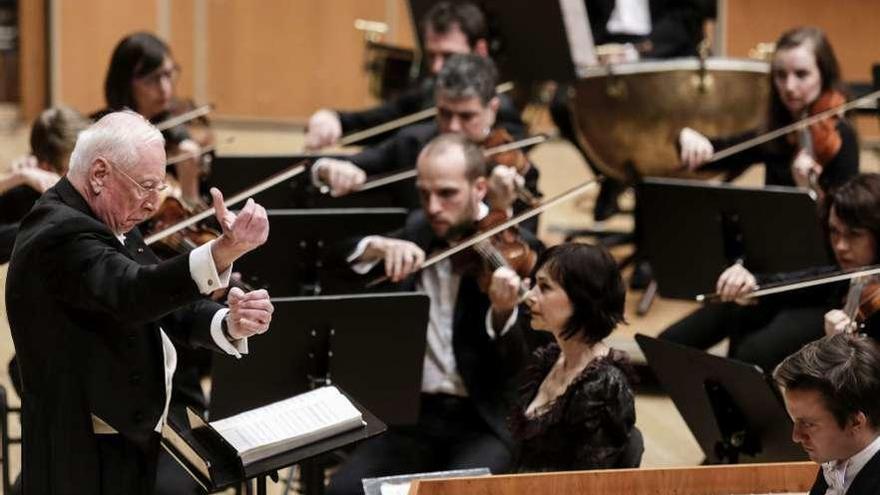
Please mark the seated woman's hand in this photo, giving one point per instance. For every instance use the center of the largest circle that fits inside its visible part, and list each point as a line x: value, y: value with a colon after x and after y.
x: 696, y: 149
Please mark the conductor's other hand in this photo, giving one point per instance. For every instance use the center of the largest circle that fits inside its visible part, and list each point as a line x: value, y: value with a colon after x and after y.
x: 402, y: 258
x: 342, y: 177
x: 735, y: 283
x: 696, y: 149
x: 324, y: 129
x: 249, y: 312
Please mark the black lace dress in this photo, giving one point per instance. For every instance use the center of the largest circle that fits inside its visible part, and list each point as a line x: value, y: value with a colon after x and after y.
x: 587, y: 427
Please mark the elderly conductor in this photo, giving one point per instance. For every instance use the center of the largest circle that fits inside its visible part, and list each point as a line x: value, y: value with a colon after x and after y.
x: 91, y: 311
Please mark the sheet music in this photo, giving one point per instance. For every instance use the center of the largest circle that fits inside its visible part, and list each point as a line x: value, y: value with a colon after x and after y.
x: 579, y: 34
x: 288, y: 424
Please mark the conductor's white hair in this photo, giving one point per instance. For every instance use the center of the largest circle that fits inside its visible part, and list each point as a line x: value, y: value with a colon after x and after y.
x: 118, y: 137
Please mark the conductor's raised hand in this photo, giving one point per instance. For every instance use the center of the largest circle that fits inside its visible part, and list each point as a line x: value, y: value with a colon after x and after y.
x: 242, y: 232
x: 249, y: 312
x: 735, y: 283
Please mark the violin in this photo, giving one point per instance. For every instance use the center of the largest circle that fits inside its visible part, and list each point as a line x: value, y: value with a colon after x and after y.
x: 170, y: 212
x: 820, y: 140
x: 862, y: 301
x: 491, y: 231
x: 513, y: 157
x: 504, y: 249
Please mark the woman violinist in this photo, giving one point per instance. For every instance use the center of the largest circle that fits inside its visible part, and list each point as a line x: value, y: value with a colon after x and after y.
x: 576, y: 408
x: 805, y: 79
x: 766, y: 332
x: 141, y: 76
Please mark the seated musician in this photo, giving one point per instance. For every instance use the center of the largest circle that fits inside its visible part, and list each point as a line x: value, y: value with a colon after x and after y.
x: 576, y: 408
x: 53, y: 135
x: 96, y: 360
x: 765, y: 332
x: 475, y: 344
x: 830, y: 388
x: 141, y: 77
x: 467, y: 104
x: 448, y: 28
x: 804, y: 79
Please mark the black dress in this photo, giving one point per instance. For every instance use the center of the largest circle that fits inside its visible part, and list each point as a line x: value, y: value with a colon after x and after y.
x: 587, y: 427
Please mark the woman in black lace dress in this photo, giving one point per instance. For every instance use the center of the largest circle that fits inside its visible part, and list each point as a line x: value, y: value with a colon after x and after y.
x: 576, y: 408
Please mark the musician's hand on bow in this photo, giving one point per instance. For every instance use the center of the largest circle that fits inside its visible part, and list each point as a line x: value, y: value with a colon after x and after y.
x: 696, y: 149
x: 504, y: 292
x: 324, y: 129
x: 836, y: 321
x: 402, y: 258
x: 342, y: 177
x: 502, y: 185
x: 735, y: 283
x: 242, y: 233
x: 249, y: 312
x: 805, y: 170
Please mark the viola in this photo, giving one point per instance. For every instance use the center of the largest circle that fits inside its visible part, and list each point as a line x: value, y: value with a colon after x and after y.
x: 504, y: 249
x: 514, y: 157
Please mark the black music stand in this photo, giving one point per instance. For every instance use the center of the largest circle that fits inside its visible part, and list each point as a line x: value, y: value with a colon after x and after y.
x: 232, y: 174
x: 690, y: 231
x: 373, y: 346
x: 733, y: 409
x: 215, y: 464
x: 298, y: 257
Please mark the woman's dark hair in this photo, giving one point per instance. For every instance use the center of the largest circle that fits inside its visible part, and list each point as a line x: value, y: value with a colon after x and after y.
x: 135, y: 56
x: 591, y: 280
x: 829, y: 70
x: 857, y: 204
x: 844, y: 369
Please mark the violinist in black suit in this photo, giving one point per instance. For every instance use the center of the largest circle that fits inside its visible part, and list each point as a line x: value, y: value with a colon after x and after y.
x: 91, y: 312
x: 830, y: 388
x: 475, y: 343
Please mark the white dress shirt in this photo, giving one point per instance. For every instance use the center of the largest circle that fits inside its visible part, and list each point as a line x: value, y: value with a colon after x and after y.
x: 440, y: 372
x: 839, y: 475
x: 204, y: 273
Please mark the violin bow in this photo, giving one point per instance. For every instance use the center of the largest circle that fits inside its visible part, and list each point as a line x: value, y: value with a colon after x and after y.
x: 795, y: 126
x: 282, y: 176
x: 185, y: 117
x: 427, y: 113
x: 482, y: 236
x: 799, y: 284
x: 408, y: 174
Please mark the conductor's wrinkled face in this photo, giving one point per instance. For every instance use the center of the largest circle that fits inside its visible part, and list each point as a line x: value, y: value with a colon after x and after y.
x: 450, y: 200
x: 466, y: 116
x: 124, y: 196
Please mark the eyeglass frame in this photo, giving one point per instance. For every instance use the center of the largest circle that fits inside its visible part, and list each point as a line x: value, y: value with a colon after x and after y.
x: 155, y: 77
x: 144, y: 191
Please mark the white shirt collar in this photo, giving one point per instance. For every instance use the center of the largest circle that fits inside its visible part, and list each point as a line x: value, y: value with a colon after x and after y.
x: 840, y: 474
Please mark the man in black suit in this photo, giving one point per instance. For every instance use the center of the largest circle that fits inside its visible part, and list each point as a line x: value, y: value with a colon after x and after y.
x: 831, y: 388
x: 90, y: 311
x: 475, y: 344
x: 448, y: 28
x: 467, y: 104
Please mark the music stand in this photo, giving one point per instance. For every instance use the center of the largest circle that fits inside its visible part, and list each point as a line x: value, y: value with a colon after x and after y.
x: 234, y: 173
x: 690, y: 231
x: 733, y: 409
x: 298, y: 257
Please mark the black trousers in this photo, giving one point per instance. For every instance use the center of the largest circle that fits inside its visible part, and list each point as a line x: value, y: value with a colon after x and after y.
x: 126, y: 469
x: 763, y: 334
x: 450, y: 434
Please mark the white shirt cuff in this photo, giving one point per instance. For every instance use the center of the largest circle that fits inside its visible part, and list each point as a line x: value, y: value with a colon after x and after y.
x: 362, y: 267
x: 507, y: 325
x: 235, y: 348
x: 204, y: 272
